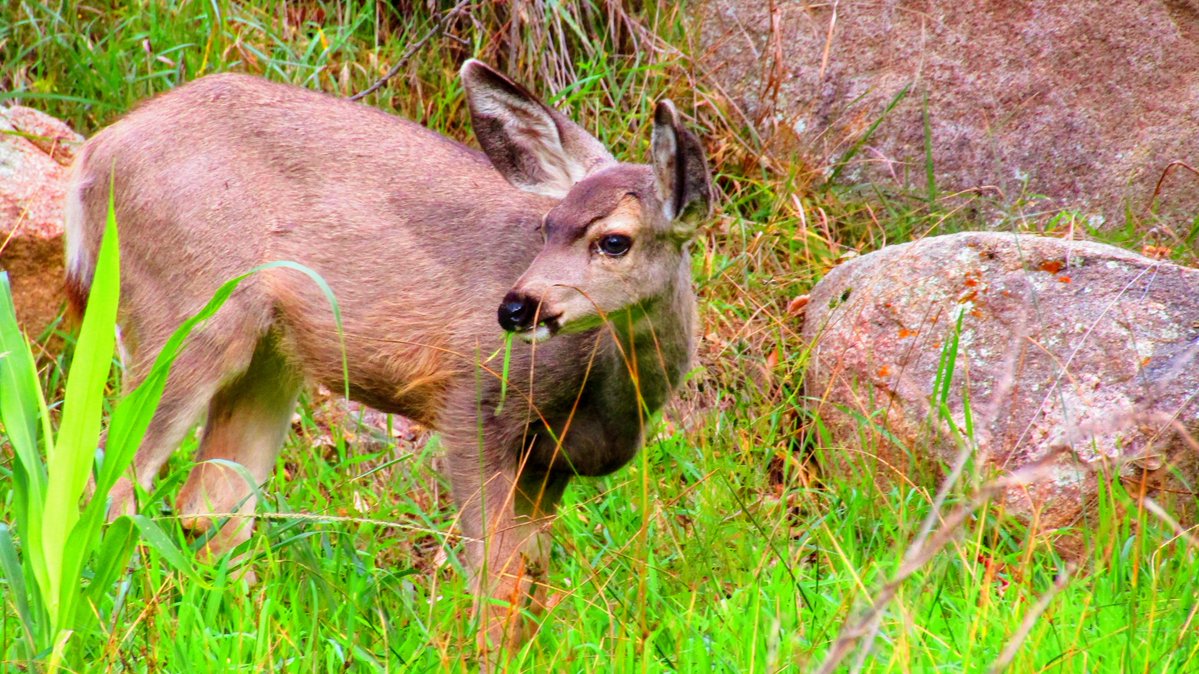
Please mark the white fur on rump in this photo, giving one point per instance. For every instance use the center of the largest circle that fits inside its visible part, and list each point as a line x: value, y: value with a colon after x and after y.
x: 79, y: 266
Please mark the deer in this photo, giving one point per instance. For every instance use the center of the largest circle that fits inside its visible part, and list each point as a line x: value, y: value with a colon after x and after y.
x: 442, y: 258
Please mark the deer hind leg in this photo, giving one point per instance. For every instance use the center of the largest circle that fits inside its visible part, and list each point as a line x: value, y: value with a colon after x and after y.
x: 248, y: 420
x: 195, y: 377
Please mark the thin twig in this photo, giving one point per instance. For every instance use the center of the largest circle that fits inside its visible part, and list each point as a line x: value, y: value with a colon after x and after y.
x: 1157, y: 190
x: 437, y: 29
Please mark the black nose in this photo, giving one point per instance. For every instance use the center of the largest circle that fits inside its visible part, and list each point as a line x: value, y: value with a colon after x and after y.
x: 517, y: 312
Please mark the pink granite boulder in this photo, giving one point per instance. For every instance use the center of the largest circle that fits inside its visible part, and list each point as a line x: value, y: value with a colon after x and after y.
x: 1082, y: 101
x: 35, y: 153
x: 1078, y: 355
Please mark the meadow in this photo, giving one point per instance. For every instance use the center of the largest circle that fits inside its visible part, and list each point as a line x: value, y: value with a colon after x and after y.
x: 719, y: 548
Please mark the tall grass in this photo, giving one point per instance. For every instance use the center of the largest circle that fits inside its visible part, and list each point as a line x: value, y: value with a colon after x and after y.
x: 715, y: 550
x: 55, y: 540
x: 63, y: 565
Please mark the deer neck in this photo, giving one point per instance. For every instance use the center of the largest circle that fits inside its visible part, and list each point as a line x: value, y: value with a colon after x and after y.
x: 650, y: 349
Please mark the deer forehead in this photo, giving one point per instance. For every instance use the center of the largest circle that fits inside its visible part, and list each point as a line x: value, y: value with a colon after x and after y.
x: 614, y: 194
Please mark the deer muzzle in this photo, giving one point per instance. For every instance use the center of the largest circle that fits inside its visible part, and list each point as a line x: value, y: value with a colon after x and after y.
x: 523, y: 315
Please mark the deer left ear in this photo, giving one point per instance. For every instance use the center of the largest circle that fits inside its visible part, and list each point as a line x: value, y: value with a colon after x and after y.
x: 684, y: 183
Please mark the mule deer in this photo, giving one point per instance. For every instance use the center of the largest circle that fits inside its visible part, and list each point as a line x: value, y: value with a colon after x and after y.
x: 420, y: 239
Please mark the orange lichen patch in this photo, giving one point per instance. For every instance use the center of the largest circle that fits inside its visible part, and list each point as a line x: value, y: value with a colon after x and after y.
x: 884, y: 371
x: 1155, y: 252
x: 975, y: 313
x: 796, y: 306
x: 904, y: 333
x: 968, y: 297
x: 1052, y: 266
x: 970, y: 281
x: 1145, y: 361
x: 1063, y: 279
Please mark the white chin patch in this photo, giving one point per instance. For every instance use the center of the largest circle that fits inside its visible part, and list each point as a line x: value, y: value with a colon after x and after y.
x: 537, y: 334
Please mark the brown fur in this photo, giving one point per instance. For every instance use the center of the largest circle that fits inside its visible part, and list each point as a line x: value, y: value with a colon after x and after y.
x: 76, y: 299
x: 419, y: 238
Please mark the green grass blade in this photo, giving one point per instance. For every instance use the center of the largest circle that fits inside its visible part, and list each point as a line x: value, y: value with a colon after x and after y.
x: 21, y: 404
x: 861, y: 142
x: 20, y: 393
x: 70, y: 458
x: 111, y: 559
x: 130, y: 419
x: 504, y: 373
x: 132, y: 415
x: 949, y: 357
x: 156, y: 538
x: 14, y: 575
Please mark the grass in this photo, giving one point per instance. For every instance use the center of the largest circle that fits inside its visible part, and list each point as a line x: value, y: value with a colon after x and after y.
x: 713, y: 550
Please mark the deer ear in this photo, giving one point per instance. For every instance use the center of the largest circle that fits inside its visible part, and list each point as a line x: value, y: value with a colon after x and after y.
x: 535, y: 147
x: 684, y: 183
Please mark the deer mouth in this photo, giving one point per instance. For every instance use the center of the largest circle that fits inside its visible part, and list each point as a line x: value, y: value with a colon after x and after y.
x: 540, y: 331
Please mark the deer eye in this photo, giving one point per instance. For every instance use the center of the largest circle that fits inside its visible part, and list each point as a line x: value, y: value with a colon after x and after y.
x: 614, y: 245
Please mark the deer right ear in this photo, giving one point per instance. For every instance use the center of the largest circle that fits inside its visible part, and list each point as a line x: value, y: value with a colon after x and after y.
x: 535, y: 147
x: 684, y: 183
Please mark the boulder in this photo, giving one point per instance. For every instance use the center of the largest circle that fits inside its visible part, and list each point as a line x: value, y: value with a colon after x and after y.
x: 1076, y: 357
x: 35, y: 153
x: 1083, y: 101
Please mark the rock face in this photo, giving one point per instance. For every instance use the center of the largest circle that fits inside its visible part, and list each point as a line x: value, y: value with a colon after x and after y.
x: 1084, y: 101
x: 1080, y: 356
x: 35, y: 151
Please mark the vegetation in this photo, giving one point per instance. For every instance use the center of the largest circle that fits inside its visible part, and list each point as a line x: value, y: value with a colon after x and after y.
x: 715, y: 550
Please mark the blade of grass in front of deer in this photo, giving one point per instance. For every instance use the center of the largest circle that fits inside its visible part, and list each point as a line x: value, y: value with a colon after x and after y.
x: 504, y: 372
x: 71, y: 456
x: 132, y: 415
x: 158, y: 539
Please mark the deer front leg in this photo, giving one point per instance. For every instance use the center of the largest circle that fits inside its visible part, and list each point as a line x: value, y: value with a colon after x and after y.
x: 506, y: 515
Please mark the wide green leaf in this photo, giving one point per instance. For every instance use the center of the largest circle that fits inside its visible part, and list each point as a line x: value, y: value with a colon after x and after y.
x: 70, y: 458
x: 21, y: 405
